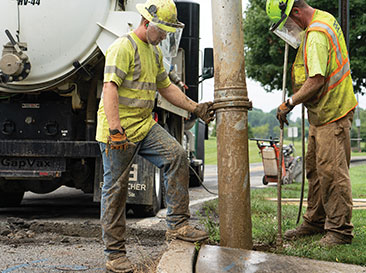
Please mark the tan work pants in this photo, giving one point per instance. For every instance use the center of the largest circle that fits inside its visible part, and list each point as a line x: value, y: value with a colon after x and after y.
x: 327, y: 164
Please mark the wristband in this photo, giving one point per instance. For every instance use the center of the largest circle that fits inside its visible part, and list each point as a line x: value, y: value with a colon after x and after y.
x: 114, y: 131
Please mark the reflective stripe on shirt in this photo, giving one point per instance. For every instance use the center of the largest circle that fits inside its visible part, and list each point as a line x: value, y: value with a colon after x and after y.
x: 137, y: 68
x: 116, y: 70
x: 139, y: 85
x: 136, y: 102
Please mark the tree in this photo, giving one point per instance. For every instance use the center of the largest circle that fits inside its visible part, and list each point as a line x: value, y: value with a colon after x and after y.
x: 263, y: 125
x: 264, y: 51
x: 261, y: 131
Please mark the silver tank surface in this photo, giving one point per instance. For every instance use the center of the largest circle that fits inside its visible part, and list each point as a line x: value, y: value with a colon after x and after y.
x: 58, y: 37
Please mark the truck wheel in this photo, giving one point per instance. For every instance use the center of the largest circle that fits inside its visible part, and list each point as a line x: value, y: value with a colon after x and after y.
x: 163, y: 190
x: 157, y: 195
x: 264, y: 180
x: 10, y: 199
x: 152, y: 210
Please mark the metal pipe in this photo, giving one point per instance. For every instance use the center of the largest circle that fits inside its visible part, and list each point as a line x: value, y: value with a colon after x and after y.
x: 231, y: 103
x: 280, y: 161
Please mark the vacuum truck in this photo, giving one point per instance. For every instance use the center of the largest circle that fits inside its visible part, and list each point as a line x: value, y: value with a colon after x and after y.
x: 51, y: 78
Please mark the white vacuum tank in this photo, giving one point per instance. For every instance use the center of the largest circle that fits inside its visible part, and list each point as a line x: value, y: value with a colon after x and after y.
x: 56, y: 37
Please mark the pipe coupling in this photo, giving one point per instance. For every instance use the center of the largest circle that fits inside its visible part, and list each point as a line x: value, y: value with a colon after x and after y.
x: 228, y: 103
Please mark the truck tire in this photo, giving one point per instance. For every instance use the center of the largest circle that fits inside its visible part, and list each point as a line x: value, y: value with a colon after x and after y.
x: 195, y: 181
x: 264, y: 180
x: 42, y: 187
x: 10, y: 199
x: 152, y: 210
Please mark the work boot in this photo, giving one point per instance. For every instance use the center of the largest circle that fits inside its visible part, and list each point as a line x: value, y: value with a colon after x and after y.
x: 333, y: 239
x: 304, y: 229
x: 186, y: 233
x: 119, y: 265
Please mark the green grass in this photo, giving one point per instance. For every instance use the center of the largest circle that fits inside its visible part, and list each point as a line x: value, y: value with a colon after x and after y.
x: 264, y: 224
x: 254, y: 157
x: 211, y: 152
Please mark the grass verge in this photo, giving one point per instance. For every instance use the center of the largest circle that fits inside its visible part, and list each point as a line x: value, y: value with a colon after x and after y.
x: 264, y: 225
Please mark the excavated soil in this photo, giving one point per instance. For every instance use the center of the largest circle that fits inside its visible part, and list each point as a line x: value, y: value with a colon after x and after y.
x: 49, y: 246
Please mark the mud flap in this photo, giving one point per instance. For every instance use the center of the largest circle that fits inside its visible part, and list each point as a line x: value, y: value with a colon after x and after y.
x: 145, y: 188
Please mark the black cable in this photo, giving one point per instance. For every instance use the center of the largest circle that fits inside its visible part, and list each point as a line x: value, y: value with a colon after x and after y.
x: 201, y: 182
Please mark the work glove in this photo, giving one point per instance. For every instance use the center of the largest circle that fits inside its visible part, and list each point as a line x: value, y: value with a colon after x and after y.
x: 118, y: 140
x: 205, y: 111
x: 282, y: 112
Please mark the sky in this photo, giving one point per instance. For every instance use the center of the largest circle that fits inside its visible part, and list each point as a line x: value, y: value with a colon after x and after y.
x: 260, y: 98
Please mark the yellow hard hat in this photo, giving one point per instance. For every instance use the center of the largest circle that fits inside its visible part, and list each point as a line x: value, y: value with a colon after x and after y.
x: 161, y: 12
x: 278, y: 11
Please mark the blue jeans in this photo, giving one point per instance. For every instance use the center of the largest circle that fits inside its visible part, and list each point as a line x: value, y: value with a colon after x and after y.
x: 162, y: 150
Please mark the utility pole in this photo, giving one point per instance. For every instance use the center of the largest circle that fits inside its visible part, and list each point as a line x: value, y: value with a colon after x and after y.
x: 232, y: 104
x: 344, y: 22
x: 344, y: 18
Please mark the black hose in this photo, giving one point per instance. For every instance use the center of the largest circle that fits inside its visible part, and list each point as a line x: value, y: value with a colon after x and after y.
x: 201, y: 182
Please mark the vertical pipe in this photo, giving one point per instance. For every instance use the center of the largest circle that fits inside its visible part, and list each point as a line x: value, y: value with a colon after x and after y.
x: 231, y: 104
x: 344, y: 18
x: 280, y: 160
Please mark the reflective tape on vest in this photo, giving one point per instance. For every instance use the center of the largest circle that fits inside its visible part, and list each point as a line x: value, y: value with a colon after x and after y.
x: 343, y: 64
x: 333, y: 39
x: 339, y: 75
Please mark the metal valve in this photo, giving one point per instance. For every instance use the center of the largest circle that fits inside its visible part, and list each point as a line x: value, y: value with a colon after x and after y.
x: 14, y: 64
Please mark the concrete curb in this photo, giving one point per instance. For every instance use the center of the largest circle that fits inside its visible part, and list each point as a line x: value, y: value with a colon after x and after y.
x: 179, y: 258
x: 215, y: 259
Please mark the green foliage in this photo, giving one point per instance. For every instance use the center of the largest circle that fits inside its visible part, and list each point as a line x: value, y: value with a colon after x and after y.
x: 210, y: 220
x: 265, y: 125
x: 264, y: 51
x: 212, y: 127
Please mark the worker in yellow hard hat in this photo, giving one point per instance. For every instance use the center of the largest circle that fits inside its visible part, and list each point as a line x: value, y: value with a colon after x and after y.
x: 322, y: 80
x: 165, y: 21
x: 134, y: 71
x: 284, y: 26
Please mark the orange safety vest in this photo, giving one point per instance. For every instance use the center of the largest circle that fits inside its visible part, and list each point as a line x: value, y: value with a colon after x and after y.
x: 336, y: 98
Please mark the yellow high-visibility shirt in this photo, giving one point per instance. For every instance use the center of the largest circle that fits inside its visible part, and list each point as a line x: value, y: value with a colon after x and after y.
x: 317, y: 47
x: 137, y: 69
x: 323, y: 51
